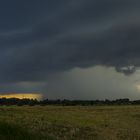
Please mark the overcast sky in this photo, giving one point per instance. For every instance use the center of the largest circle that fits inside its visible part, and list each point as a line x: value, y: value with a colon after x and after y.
x: 74, y: 49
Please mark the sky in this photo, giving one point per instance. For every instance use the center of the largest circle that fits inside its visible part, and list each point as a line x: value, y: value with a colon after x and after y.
x: 77, y: 49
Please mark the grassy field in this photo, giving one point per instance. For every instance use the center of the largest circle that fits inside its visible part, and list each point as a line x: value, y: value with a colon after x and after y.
x: 70, y: 123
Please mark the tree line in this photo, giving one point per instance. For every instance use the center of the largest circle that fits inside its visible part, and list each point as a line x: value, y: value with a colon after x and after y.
x: 32, y: 102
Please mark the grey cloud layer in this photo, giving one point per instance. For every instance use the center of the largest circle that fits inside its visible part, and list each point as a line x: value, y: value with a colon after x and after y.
x: 55, y: 36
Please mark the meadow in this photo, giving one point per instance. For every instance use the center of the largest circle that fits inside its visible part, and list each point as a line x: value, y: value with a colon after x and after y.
x: 70, y: 122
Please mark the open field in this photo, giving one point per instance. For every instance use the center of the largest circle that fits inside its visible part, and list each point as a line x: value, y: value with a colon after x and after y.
x: 70, y: 123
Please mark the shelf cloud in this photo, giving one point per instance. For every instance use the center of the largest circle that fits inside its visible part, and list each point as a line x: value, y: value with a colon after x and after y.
x: 39, y: 39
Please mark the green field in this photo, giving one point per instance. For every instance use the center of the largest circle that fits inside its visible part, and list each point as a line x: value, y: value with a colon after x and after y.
x: 70, y: 123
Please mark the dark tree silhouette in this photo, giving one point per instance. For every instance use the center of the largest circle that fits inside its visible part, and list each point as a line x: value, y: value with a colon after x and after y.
x: 65, y: 102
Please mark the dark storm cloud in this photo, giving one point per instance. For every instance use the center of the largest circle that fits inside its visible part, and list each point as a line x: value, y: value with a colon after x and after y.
x: 40, y: 38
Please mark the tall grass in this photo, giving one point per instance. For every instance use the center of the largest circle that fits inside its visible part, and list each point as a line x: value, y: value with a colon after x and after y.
x: 70, y: 123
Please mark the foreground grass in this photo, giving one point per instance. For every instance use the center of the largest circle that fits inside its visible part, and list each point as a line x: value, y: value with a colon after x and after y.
x: 70, y: 123
x: 13, y: 132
